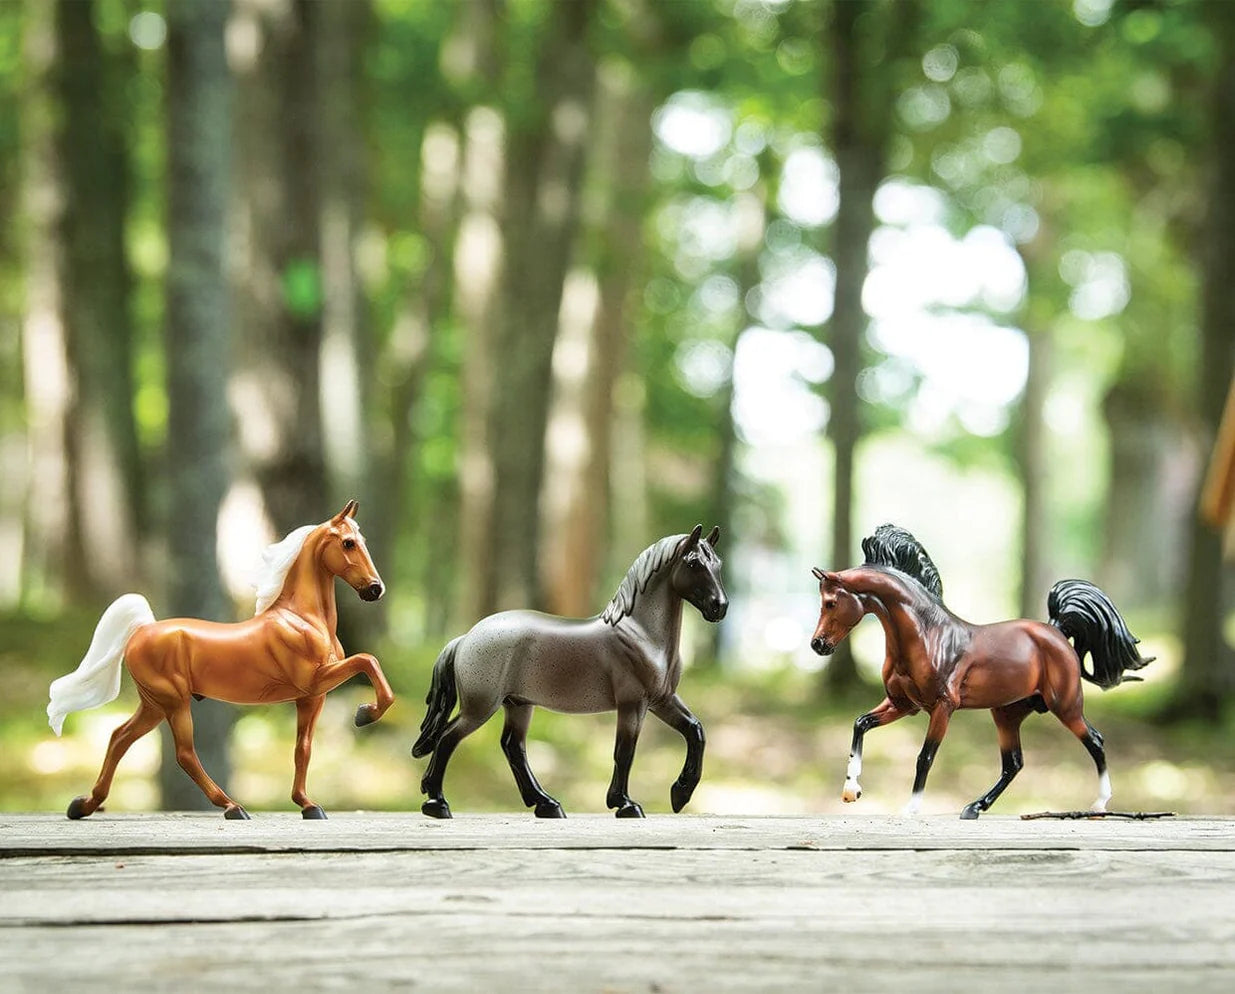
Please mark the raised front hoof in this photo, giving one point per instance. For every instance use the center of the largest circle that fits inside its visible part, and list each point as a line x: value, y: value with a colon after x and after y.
x: 549, y: 809
x: 971, y: 812
x: 78, y: 809
x: 313, y: 812
x: 366, y: 714
x: 850, y: 794
x: 679, y: 795
x: 436, y: 807
x: 234, y: 812
x: 629, y: 810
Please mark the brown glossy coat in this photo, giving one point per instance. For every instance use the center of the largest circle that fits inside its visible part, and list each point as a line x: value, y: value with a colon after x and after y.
x: 288, y: 652
x: 938, y: 663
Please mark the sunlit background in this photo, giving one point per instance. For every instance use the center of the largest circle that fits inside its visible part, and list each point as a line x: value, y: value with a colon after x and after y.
x: 540, y: 281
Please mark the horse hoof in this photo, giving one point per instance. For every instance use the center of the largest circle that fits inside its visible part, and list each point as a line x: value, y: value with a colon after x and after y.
x: 77, y: 808
x: 549, y: 809
x: 366, y: 714
x: 313, y: 812
x: 971, y: 812
x: 850, y: 794
x: 679, y: 795
x: 629, y: 810
x: 436, y: 807
x: 234, y: 812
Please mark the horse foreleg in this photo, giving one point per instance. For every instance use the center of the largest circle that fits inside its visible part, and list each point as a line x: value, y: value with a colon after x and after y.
x: 330, y: 675
x: 143, y: 720
x: 181, y: 721
x: 514, y: 745
x: 935, y: 732
x: 1008, y: 726
x: 630, y: 721
x: 884, y: 714
x: 307, y: 711
x: 461, y: 726
x: 674, y: 713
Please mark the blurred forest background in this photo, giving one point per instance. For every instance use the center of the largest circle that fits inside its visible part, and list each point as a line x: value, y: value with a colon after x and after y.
x: 540, y: 282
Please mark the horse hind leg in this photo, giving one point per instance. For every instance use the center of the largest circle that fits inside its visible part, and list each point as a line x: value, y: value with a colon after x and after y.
x: 181, y: 721
x: 144, y: 719
x: 1091, y: 739
x: 460, y: 727
x: 514, y: 745
x: 1008, y: 725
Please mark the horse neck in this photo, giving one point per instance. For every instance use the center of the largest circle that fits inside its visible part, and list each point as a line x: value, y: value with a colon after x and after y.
x: 888, y: 600
x: 658, y: 611
x: 308, y: 589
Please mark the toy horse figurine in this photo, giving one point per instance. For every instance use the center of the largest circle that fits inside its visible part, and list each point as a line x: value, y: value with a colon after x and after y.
x: 624, y: 659
x: 287, y: 652
x: 936, y: 662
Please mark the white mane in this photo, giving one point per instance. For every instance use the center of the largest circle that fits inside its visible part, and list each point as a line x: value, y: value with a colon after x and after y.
x: 277, y: 559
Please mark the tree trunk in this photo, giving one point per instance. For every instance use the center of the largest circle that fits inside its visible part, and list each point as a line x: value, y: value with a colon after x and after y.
x: 546, y: 147
x: 105, y: 479
x: 1207, y: 680
x: 593, y: 337
x: 44, y: 351
x: 857, y: 140
x: 276, y: 388
x: 197, y: 322
x: 1031, y: 467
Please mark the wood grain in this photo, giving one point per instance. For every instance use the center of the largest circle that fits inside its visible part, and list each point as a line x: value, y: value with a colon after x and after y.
x: 689, y: 904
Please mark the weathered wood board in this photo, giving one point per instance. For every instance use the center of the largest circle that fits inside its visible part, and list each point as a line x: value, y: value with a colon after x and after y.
x: 670, y: 904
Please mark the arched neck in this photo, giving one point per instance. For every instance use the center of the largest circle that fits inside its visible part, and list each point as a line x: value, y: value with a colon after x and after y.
x: 308, y: 589
x: 658, y: 612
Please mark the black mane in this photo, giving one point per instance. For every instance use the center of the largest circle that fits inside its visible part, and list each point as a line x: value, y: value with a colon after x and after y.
x: 896, y: 548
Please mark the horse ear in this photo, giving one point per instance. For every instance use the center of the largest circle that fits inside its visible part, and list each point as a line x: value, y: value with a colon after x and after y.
x: 349, y: 511
x: 714, y: 536
x: 689, y: 542
x: 818, y: 573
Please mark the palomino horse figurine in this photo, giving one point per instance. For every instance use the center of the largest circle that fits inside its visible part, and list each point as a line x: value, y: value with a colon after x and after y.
x: 626, y: 659
x: 936, y: 662
x: 287, y: 652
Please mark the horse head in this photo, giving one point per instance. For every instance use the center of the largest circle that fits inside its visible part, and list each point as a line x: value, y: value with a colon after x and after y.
x: 344, y: 554
x: 696, y: 574
x: 839, y: 610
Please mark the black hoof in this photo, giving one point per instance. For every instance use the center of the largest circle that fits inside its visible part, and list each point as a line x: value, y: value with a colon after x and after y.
x: 77, y: 808
x: 629, y: 810
x: 366, y: 714
x: 234, y: 812
x: 313, y: 812
x: 549, y: 809
x: 971, y: 812
x: 679, y: 795
x: 436, y: 807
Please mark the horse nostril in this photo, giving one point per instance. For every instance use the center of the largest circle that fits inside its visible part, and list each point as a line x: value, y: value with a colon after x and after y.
x: 720, y: 608
x: 817, y: 644
x: 373, y: 591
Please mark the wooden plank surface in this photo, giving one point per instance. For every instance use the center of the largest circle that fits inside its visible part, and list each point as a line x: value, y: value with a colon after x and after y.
x: 670, y: 904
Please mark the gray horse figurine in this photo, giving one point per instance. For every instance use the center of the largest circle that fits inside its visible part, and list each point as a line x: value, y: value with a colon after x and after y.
x: 625, y: 659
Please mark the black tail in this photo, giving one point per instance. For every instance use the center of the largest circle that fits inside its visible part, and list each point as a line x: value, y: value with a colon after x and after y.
x: 1086, y: 615
x: 441, y: 700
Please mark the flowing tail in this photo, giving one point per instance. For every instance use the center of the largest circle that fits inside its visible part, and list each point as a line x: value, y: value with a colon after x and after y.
x: 441, y: 700
x: 97, y: 678
x: 1086, y: 615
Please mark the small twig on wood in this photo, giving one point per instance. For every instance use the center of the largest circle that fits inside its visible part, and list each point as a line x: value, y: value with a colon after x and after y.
x: 1135, y: 815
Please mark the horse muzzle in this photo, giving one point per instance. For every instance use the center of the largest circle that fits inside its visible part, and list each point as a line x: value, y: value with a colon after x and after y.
x: 715, y: 610
x: 822, y: 646
x: 372, y: 592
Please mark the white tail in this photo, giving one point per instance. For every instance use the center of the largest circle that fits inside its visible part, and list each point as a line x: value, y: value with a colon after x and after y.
x: 97, y: 679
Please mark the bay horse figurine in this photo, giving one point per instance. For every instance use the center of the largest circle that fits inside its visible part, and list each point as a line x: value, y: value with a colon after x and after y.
x: 937, y: 663
x: 287, y: 652
x: 625, y: 659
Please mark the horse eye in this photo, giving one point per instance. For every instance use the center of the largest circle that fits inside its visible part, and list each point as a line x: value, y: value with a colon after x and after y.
x: 349, y: 543
x: 830, y: 603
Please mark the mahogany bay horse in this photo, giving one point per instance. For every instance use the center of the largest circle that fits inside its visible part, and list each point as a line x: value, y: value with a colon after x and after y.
x: 287, y: 652
x: 624, y: 659
x: 938, y: 663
